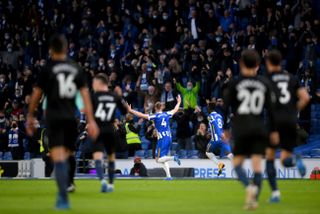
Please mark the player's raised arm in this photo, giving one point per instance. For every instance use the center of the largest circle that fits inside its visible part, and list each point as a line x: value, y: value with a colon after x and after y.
x: 93, y: 129
x: 304, y: 98
x: 34, y: 101
x: 137, y: 113
x: 176, y: 108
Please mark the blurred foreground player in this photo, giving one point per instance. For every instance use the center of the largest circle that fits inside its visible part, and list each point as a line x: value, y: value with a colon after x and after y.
x: 218, y: 139
x: 291, y: 98
x: 247, y: 97
x: 162, y: 123
x: 59, y: 81
x: 105, y: 104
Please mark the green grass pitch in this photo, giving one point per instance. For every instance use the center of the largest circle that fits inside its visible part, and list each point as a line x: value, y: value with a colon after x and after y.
x: 156, y: 197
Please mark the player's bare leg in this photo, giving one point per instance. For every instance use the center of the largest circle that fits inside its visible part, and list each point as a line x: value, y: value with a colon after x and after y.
x: 59, y: 156
x: 272, y: 175
x: 289, y: 160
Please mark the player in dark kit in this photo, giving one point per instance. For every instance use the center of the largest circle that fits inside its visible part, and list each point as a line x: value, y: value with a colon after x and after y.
x: 105, y: 104
x: 247, y: 97
x: 59, y: 82
x: 291, y: 98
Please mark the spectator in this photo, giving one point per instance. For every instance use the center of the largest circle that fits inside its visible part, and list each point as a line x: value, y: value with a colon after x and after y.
x: 168, y: 97
x: 15, y: 142
x: 184, y: 131
x: 121, y: 146
x: 189, y: 94
x: 132, y: 135
x: 201, y: 140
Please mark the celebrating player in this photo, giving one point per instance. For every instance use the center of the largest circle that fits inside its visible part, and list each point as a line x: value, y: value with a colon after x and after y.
x: 105, y: 104
x: 217, y: 137
x: 291, y: 98
x: 59, y: 82
x: 162, y: 124
x: 247, y: 97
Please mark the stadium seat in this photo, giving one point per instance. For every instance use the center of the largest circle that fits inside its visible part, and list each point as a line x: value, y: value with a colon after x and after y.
x: 175, y: 146
x: 139, y: 153
x: 315, y: 153
x: 195, y: 154
x: 182, y: 153
x: 7, y: 156
x: 26, y: 156
x: 148, y: 154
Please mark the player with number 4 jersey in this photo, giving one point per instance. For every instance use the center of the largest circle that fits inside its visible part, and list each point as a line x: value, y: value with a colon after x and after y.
x: 105, y: 104
x: 162, y: 123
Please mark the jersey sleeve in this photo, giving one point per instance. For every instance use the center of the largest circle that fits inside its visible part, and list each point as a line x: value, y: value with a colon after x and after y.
x: 271, y: 100
x: 152, y: 117
x: 170, y: 114
x: 122, y: 106
x: 80, y: 79
x: 42, y: 80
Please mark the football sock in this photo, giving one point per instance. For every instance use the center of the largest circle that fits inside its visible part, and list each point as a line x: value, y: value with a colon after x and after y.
x: 99, y: 169
x: 230, y: 156
x: 165, y: 159
x: 72, y: 169
x: 111, y: 171
x: 212, y: 157
x: 257, y: 180
x: 61, y: 174
x: 242, y: 177
x: 167, y: 169
x: 289, y: 162
x: 272, y: 173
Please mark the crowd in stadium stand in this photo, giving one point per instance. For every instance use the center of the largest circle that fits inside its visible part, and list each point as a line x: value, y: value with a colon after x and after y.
x: 152, y: 50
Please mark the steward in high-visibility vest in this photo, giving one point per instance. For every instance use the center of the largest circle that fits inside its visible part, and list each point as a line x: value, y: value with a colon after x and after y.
x: 132, y: 136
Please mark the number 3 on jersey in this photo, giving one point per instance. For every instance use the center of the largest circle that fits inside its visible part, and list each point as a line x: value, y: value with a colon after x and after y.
x: 105, y: 111
x: 285, y: 94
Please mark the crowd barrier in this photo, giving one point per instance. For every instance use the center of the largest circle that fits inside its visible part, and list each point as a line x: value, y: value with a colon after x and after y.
x: 201, y: 168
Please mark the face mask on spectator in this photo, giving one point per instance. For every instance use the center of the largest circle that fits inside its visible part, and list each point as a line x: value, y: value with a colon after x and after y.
x: 111, y: 65
x: 218, y: 39
x: 1, y: 80
x: 6, y: 36
x: 165, y: 17
x: 9, y: 50
x: 189, y: 87
x: 155, y: 17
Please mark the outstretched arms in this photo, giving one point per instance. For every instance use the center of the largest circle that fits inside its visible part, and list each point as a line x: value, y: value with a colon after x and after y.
x: 176, y: 108
x: 137, y: 113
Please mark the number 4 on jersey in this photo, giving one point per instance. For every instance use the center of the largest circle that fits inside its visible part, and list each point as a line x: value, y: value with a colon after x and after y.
x: 105, y: 111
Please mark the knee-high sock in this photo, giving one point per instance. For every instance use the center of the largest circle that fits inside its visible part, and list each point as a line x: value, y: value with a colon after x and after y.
x: 72, y: 169
x: 111, y: 169
x: 289, y: 162
x: 99, y: 169
x: 61, y: 174
x: 167, y: 169
x: 165, y: 159
x: 242, y: 177
x: 230, y: 156
x: 272, y: 175
x: 257, y: 180
x: 212, y: 157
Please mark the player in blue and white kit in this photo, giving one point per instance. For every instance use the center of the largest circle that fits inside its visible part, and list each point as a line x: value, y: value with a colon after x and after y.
x: 162, y: 123
x: 215, y: 121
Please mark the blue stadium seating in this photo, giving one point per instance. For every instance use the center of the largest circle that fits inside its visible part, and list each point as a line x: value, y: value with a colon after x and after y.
x: 139, y: 153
